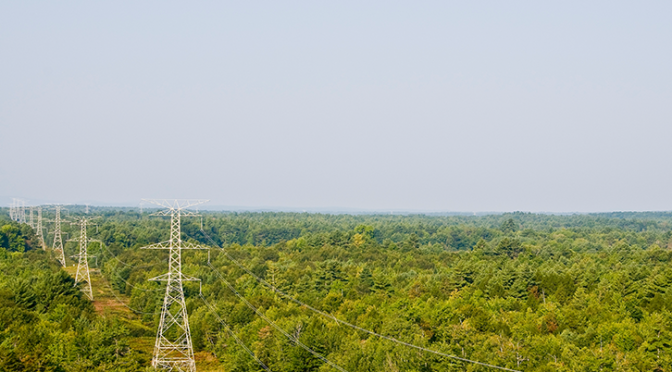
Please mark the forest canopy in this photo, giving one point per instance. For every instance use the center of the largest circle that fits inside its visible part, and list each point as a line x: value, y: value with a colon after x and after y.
x: 530, y: 292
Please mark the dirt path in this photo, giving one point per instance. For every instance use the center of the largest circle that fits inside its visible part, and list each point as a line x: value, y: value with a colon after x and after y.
x: 108, y: 303
x: 104, y: 300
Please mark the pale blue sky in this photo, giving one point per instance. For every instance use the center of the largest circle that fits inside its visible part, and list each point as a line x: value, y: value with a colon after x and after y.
x: 373, y: 105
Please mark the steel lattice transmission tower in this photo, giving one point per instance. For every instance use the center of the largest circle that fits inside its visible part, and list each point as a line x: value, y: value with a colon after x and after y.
x: 83, y: 258
x: 17, y: 211
x: 31, y: 220
x: 173, y: 349
x: 12, y: 210
x: 38, y: 227
x: 22, y: 212
x: 58, y: 239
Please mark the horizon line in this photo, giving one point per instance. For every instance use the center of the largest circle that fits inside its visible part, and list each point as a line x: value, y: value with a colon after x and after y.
x: 339, y: 210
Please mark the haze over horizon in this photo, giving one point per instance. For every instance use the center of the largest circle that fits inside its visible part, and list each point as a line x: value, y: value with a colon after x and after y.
x: 298, y: 209
x: 385, y: 106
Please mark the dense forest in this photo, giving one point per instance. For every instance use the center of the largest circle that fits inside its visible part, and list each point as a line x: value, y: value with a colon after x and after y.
x: 529, y: 292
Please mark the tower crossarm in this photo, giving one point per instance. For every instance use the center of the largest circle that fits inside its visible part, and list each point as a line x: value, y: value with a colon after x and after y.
x: 162, y: 245
x: 175, y: 204
x: 166, y: 245
x: 193, y: 246
x: 168, y: 212
x: 167, y: 277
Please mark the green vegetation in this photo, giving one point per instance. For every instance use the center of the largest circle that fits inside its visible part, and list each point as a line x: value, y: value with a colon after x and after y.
x: 525, y: 291
x: 45, y: 322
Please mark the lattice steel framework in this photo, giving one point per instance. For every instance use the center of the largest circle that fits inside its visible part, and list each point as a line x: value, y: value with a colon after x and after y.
x: 58, y: 239
x: 12, y: 210
x: 22, y: 212
x: 173, y: 349
x: 38, y: 228
x: 17, y: 211
x: 83, y: 259
x: 31, y: 220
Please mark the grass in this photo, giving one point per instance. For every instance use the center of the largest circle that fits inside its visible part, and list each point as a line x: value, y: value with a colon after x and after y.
x: 108, y: 303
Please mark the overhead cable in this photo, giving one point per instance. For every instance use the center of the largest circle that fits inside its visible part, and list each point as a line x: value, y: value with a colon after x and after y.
x: 131, y: 285
x: 122, y: 302
x: 230, y: 332
x: 272, y: 323
x: 117, y: 259
x: 389, y: 338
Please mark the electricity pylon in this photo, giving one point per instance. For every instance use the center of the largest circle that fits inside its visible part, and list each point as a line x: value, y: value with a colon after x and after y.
x: 58, y: 239
x: 11, y: 211
x: 83, y: 258
x: 22, y: 212
x: 17, y: 211
x: 31, y: 221
x: 173, y: 349
x: 38, y: 228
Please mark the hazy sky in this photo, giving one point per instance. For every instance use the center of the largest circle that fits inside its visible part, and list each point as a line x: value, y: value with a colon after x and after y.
x: 375, y: 105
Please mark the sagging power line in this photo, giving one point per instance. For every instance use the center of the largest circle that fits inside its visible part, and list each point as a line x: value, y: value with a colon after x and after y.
x: 233, y: 334
x: 303, y: 304
x: 272, y: 323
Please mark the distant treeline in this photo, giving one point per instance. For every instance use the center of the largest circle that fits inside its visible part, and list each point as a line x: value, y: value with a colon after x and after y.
x: 527, y: 291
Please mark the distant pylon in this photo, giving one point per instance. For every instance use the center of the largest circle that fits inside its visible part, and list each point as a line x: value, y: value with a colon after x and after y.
x: 58, y: 240
x: 38, y: 228
x: 17, y: 210
x: 83, y: 259
x: 31, y: 221
x: 22, y: 212
x: 173, y: 349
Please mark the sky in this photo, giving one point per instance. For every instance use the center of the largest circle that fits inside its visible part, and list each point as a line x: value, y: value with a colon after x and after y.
x: 429, y: 106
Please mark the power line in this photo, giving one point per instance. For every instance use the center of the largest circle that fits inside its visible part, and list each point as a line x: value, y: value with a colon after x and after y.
x: 112, y: 255
x: 122, y: 302
x: 273, y: 288
x: 130, y: 284
x: 272, y: 323
x: 230, y: 332
x: 115, y: 257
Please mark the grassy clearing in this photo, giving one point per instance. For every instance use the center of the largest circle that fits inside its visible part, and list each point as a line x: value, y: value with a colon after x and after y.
x: 113, y: 304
